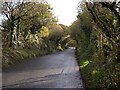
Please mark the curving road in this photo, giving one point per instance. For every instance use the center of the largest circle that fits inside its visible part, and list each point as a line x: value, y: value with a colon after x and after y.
x: 59, y: 70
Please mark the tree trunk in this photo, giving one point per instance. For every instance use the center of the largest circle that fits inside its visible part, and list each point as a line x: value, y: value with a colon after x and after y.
x: 11, y: 31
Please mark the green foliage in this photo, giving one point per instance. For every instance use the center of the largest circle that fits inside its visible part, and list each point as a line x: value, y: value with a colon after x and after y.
x: 56, y: 33
x: 25, y: 18
x: 98, y: 44
x: 44, y: 32
x: 30, y: 31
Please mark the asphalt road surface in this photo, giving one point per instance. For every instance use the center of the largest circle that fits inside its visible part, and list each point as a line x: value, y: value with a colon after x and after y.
x: 59, y: 70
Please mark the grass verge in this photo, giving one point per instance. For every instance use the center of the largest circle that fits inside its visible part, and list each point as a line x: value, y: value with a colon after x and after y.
x: 11, y: 57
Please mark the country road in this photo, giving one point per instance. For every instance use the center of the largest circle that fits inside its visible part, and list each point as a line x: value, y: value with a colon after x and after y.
x: 59, y: 70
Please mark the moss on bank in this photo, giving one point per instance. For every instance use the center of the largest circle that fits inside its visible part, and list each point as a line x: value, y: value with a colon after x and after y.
x: 13, y: 57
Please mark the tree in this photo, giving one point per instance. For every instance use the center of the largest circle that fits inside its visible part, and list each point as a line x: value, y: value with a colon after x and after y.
x: 26, y: 17
x: 13, y: 13
x: 56, y: 33
x: 107, y: 19
x: 103, y: 49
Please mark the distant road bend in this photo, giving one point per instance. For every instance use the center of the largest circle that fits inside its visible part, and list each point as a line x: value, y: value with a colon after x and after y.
x: 59, y: 70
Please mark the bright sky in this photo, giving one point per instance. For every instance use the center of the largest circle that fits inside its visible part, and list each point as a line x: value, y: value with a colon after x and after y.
x: 65, y: 10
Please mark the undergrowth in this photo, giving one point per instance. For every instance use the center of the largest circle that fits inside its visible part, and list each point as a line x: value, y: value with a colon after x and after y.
x: 104, y: 76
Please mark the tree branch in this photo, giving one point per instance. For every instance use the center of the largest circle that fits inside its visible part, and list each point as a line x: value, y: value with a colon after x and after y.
x: 112, y: 8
